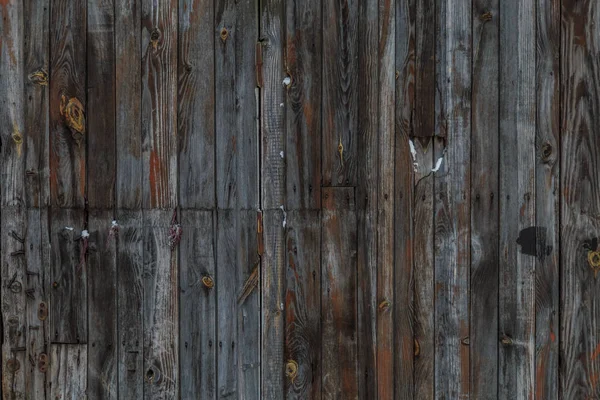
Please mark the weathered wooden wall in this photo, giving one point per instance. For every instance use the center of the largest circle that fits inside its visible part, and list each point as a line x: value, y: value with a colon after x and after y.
x: 300, y: 199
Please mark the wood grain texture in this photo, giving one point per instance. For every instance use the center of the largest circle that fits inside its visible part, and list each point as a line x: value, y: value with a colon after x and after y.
x: 102, y: 308
x: 303, y: 113
x: 67, y: 84
x: 580, y: 185
x: 517, y: 121
x: 483, y: 338
x: 160, y: 307
x: 339, y: 379
x: 340, y: 100
x: 68, y: 278
x: 303, y: 305
x: 130, y: 298
x: 198, y: 328
x: 196, y: 102
x: 128, y: 103
x: 425, y: 59
x: 547, y: 198
x: 159, y: 103
x: 452, y: 205
x: 366, y: 195
x: 67, y: 373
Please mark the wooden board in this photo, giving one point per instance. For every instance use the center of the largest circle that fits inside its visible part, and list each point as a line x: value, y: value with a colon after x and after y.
x: 67, y: 374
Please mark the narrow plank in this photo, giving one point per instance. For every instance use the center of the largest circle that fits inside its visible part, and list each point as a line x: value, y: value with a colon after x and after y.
x: 547, y: 199
x: 68, y: 277
x: 302, y: 305
x: 425, y: 45
x: 366, y: 192
x: 580, y: 183
x: 67, y: 372
x: 338, y: 295
x: 102, y: 307
x: 452, y: 243
x: 14, y: 302
x: 36, y: 243
x: 517, y: 113
x: 68, y: 136
x: 484, y: 201
x: 36, y: 58
x: 196, y: 108
x: 160, y: 307
x: 198, y: 334
x: 100, y: 92
x: 403, y: 202
x: 272, y: 300
x: 340, y: 101
x: 130, y: 297
x: 303, y: 114
x: 273, y: 129
x: 159, y: 103
x: 128, y: 87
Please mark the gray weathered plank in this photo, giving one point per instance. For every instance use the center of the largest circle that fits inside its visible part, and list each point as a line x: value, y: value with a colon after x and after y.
x: 517, y: 119
x: 196, y: 103
x: 484, y: 201
x: 339, y: 350
x: 302, y: 305
x: 452, y: 205
x: 67, y: 373
x: 198, y: 334
x: 102, y: 307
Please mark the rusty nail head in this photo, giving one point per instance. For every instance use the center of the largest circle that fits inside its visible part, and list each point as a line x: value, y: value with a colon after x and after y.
x: 42, y: 311
x: 13, y: 365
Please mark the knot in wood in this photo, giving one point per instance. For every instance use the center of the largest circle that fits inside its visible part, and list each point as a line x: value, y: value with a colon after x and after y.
x: 506, y: 340
x: 384, y: 305
x: 546, y: 152
x: 39, y: 77
x: 594, y: 261
x: 224, y: 34
x: 485, y: 17
x: 466, y: 341
x: 208, y: 282
x: 73, y: 114
x: 154, y: 36
x: 291, y: 370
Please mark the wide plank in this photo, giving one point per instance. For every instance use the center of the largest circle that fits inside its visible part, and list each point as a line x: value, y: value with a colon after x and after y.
x: 67, y: 372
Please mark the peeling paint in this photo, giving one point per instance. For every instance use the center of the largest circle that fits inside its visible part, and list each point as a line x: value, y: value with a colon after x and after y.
x: 284, y: 216
x: 438, y: 164
x: 413, y: 152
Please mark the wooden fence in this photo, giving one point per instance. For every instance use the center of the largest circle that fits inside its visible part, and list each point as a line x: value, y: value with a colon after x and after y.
x: 300, y: 199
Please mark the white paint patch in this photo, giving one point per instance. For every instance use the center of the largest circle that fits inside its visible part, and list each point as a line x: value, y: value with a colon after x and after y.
x: 69, y: 228
x: 287, y: 80
x: 281, y: 154
x: 413, y: 152
x: 280, y: 104
x: 114, y: 223
x: 85, y: 234
x: 438, y: 164
x: 284, y: 216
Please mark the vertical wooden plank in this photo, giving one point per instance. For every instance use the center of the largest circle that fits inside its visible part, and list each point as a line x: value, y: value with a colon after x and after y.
x: 547, y: 198
x: 102, y: 307
x: 580, y: 182
x: 303, y: 114
x: 159, y: 103
x: 340, y: 101
x: 68, y: 374
x: 403, y: 202
x: 452, y: 205
x: 100, y: 91
x: 68, y: 134
x: 36, y: 247
x: 130, y: 296
x: 517, y: 203
x: 68, y: 278
x: 425, y: 45
x: 302, y: 305
x: 366, y: 192
x: 338, y: 295
x: 36, y: 128
x: 160, y: 308
x: 196, y: 107
x: 483, y: 339
x: 198, y: 343
x: 385, y: 202
x: 128, y: 89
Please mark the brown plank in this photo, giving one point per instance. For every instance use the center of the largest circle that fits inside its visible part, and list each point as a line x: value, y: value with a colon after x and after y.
x: 198, y: 328
x: 303, y: 113
x: 403, y: 203
x: 483, y: 338
x: 425, y: 45
x: 302, y: 305
x: 67, y: 374
x: 339, y: 379
x: 130, y: 297
x: 68, y: 277
x: 340, y: 101
x: 547, y: 198
x: 517, y: 118
x: 580, y: 182
x: 128, y: 87
x: 196, y: 101
x: 102, y: 307
x: 68, y: 135
x: 159, y: 103
x: 452, y: 204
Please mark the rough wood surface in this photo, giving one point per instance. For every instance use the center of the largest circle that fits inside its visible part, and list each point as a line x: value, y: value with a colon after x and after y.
x: 67, y: 374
